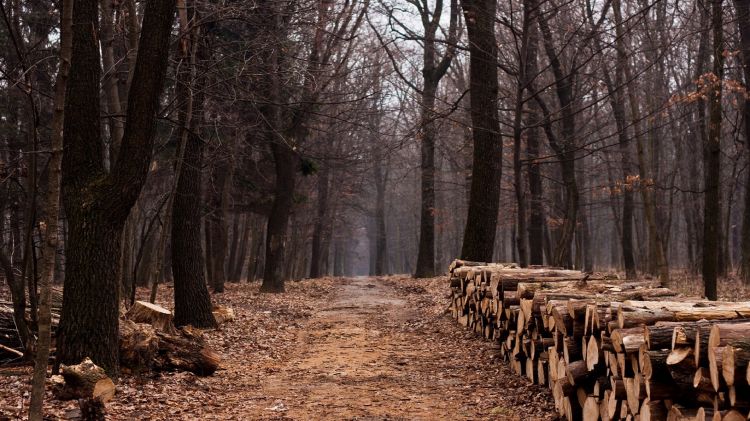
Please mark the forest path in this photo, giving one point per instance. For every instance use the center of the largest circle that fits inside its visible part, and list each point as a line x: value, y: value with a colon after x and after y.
x: 370, y: 354
x: 358, y: 359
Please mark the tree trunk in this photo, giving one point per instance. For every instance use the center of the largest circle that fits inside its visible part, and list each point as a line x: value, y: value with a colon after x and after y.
x: 52, y: 205
x: 484, y: 196
x: 192, y: 303
x: 316, y: 263
x: 96, y: 203
x: 712, y: 161
x: 426, y: 254
x: 743, y: 21
x: 278, y: 220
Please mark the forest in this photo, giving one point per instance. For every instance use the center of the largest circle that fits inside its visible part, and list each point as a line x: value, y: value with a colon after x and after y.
x: 185, y: 182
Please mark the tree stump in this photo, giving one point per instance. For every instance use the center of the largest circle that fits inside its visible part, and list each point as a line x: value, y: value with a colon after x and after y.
x: 155, y: 315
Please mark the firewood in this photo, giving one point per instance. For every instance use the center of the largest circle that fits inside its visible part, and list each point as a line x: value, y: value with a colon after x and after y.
x: 85, y: 380
x: 653, y: 410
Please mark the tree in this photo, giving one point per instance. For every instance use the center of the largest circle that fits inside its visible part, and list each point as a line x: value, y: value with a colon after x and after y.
x: 192, y: 304
x: 52, y: 205
x: 484, y: 196
x: 712, y: 159
x: 97, y: 203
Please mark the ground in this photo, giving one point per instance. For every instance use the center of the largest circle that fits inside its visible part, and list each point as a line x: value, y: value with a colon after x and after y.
x: 328, y: 349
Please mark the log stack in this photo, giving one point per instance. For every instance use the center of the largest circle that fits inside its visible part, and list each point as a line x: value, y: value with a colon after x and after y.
x: 610, y: 349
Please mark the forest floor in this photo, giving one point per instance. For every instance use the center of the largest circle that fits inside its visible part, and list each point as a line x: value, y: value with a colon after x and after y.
x: 333, y: 348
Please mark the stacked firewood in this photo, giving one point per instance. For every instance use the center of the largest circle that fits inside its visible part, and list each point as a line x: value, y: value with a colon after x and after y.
x: 609, y: 349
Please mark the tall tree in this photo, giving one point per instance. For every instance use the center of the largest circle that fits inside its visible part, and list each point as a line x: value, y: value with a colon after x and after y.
x: 192, y: 304
x: 712, y: 159
x: 486, y: 170
x: 97, y: 203
x: 44, y: 333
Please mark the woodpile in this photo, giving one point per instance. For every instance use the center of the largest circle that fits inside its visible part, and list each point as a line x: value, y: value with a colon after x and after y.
x: 609, y: 349
x: 148, y: 339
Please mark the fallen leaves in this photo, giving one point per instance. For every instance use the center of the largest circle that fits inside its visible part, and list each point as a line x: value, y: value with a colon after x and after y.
x: 331, y: 348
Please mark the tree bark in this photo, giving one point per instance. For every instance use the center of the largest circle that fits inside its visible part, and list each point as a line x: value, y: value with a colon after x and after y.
x: 484, y: 196
x: 96, y: 203
x: 712, y: 160
x: 192, y: 303
x: 52, y: 206
x: 278, y: 220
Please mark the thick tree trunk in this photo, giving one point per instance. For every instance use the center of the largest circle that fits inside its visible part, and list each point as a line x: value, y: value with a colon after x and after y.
x: 97, y: 204
x: 484, y: 196
x: 192, y: 303
x: 278, y: 220
x: 712, y: 161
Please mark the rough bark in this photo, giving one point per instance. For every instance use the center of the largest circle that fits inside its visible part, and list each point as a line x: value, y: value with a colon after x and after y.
x: 484, y: 196
x: 96, y: 203
x: 712, y: 161
x: 192, y: 304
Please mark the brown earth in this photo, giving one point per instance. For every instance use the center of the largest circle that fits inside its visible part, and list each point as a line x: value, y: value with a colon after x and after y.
x: 328, y: 349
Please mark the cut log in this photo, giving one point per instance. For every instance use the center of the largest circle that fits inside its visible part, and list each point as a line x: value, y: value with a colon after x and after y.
x: 83, y: 381
x: 735, y: 337
x: 155, y: 315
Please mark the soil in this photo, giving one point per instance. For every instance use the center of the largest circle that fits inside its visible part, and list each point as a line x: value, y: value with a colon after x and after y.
x: 329, y: 349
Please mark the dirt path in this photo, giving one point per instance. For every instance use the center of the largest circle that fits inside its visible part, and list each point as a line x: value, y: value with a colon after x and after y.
x: 358, y: 359
x: 370, y: 354
x: 328, y: 349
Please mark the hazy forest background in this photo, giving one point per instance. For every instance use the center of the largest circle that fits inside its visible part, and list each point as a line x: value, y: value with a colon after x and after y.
x: 201, y: 142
